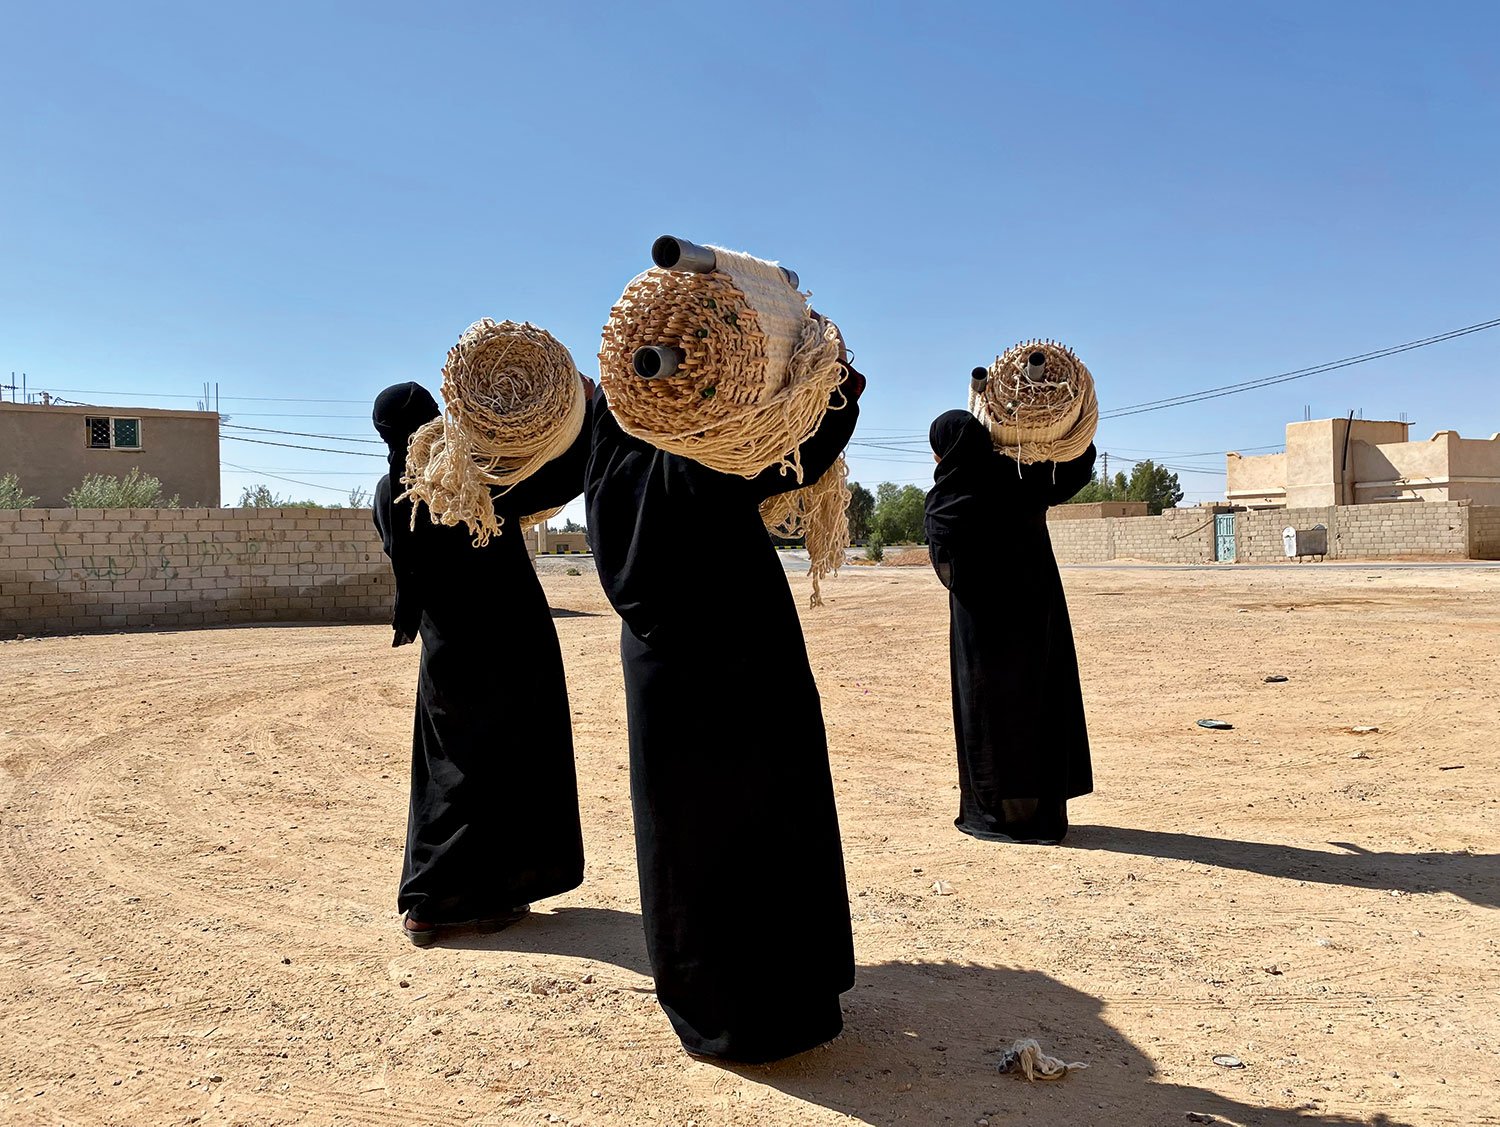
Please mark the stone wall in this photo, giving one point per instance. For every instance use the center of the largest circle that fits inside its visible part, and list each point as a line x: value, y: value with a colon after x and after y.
x: 66, y: 570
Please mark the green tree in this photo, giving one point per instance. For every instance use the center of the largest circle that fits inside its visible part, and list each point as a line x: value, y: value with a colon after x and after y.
x: 898, y: 514
x: 133, y: 491
x: 571, y: 525
x: 1101, y: 489
x: 1155, y: 485
x: 861, y: 511
x: 11, y: 496
x: 261, y: 497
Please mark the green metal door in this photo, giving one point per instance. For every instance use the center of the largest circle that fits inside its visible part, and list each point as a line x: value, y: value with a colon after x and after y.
x: 1224, y: 537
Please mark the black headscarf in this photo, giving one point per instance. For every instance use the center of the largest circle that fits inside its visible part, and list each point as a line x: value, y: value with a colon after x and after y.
x: 399, y: 412
x: 964, y: 475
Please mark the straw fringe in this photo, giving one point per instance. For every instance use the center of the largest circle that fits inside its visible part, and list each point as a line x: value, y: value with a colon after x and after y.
x: 758, y: 373
x: 1050, y: 421
x: 514, y: 401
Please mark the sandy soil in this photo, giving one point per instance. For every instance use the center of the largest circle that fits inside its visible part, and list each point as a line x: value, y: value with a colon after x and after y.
x: 201, y: 838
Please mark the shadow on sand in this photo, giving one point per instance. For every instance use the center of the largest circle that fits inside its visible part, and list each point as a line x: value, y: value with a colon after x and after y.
x: 921, y: 1041
x: 1474, y: 877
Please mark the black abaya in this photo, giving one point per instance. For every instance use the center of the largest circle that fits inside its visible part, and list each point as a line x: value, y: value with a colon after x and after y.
x: 493, y: 821
x: 737, y: 839
x: 1023, y: 747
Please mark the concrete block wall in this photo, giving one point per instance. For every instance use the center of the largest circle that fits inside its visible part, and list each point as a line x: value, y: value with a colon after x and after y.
x: 1177, y: 536
x: 72, y: 570
x: 1090, y: 540
x: 1257, y: 534
x: 1410, y: 529
x: 1484, y: 532
x: 1413, y: 529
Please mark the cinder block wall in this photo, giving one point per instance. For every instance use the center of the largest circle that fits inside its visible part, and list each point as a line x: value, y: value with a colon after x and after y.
x: 1177, y: 536
x: 1484, y: 532
x: 1086, y: 540
x: 1414, y: 529
x: 1373, y: 532
x: 65, y: 570
x: 1257, y: 535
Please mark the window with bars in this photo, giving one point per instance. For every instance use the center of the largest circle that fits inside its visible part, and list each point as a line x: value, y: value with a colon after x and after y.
x: 107, y: 433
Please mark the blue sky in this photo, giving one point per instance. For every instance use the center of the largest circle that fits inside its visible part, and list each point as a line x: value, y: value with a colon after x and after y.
x: 305, y: 202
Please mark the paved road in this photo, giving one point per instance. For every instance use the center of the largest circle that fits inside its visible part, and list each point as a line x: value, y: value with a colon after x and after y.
x: 795, y: 561
x: 1336, y: 565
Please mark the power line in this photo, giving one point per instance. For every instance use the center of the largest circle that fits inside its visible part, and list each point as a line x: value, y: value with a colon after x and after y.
x: 289, y: 480
x: 295, y: 446
x: 196, y: 396
x: 1297, y: 374
x: 291, y: 415
x: 316, y: 473
x: 304, y: 434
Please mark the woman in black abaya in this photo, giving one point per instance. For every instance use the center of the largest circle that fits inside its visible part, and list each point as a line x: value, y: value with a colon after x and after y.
x: 737, y: 839
x: 493, y: 822
x: 1023, y: 745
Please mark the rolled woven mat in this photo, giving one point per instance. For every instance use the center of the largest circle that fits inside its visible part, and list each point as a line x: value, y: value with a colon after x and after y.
x: 1047, y: 418
x: 757, y: 371
x: 513, y: 400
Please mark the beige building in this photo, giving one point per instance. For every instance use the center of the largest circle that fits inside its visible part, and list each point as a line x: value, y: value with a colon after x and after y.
x: 52, y: 448
x: 1092, y: 510
x: 1362, y: 461
x: 547, y: 542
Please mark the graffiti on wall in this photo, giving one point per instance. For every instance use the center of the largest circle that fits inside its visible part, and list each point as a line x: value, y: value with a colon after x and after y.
x: 172, y: 557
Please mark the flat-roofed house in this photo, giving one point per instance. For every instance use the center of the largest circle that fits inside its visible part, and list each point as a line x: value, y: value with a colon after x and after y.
x: 52, y: 447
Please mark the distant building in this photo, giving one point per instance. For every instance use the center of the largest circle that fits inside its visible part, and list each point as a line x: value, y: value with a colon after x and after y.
x: 52, y: 448
x: 1087, y: 510
x: 1362, y: 461
x: 546, y: 542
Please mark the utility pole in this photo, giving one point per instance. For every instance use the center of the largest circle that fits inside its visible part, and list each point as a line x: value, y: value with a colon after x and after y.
x: 1104, y: 472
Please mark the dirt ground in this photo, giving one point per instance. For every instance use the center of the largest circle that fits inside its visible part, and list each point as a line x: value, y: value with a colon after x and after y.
x: 202, y: 835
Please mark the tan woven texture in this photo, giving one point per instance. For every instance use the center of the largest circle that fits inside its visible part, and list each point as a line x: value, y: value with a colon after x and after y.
x: 1051, y: 420
x: 513, y: 400
x: 755, y: 383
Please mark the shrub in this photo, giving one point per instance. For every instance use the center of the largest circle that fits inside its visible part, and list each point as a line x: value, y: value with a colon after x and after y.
x: 874, y: 549
x: 133, y: 491
x: 11, y: 496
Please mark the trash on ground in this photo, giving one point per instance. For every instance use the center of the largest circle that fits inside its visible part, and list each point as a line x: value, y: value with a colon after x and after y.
x: 1229, y: 1062
x: 1276, y: 679
x: 1026, y: 1058
x: 1217, y: 725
